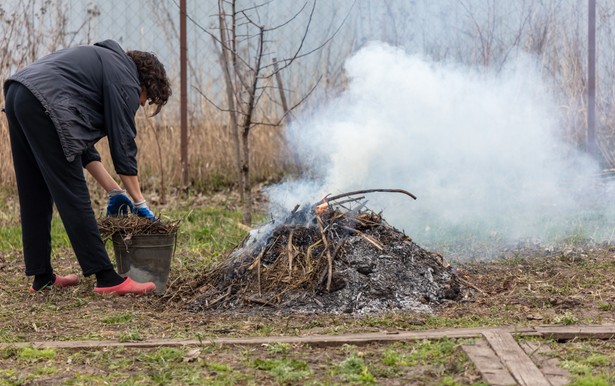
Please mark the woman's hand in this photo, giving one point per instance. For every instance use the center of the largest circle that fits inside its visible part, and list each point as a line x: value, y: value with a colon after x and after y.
x: 142, y: 210
x: 119, y: 203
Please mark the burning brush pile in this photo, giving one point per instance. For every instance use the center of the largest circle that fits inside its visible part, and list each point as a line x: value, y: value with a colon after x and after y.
x: 336, y: 256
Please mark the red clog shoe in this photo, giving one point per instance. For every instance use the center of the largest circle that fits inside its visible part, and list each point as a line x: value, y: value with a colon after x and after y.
x: 66, y: 281
x: 60, y: 282
x: 128, y: 286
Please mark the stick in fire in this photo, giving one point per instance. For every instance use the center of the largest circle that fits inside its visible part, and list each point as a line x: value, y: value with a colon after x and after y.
x: 320, y: 205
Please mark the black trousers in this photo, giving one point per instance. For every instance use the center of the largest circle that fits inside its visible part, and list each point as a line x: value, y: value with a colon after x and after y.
x: 45, y: 177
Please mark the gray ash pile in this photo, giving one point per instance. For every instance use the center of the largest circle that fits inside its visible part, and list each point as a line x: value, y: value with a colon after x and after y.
x: 331, y: 257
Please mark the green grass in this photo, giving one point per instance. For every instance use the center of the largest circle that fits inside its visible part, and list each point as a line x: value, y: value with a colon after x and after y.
x: 130, y: 336
x: 428, y: 351
x: 283, y: 369
x: 589, y: 362
x: 279, y: 348
x: 354, y: 369
x: 206, y: 235
x: 164, y: 355
x: 205, y: 232
x: 120, y: 318
x: 589, y: 380
x: 10, y: 235
x: 10, y: 238
x: 35, y: 355
x: 567, y: 318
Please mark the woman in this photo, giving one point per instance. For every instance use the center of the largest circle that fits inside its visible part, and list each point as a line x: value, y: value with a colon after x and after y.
x: 57, y: 108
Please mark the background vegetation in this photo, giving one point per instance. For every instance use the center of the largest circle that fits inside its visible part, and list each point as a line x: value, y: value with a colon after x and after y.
x: 569, y: 285
x: 483, y: 34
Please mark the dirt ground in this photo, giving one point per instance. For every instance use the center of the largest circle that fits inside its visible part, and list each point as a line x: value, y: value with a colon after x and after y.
x: 569, y: 285
x: 575, y: 285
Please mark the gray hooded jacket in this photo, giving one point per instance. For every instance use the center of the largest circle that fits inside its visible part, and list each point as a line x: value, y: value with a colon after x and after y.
x: 89, y: 92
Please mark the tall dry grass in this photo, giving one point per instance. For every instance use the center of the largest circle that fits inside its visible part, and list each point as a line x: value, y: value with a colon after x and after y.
x: 544, y: 29
x: 211, y: 156
x: 211, y: 161
x: 28, y: 30
x: 7, y: 176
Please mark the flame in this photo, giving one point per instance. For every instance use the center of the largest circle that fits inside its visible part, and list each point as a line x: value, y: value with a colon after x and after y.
x: 322, y: 207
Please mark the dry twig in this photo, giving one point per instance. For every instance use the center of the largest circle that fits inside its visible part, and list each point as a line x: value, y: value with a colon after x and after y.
x: 129, y: 226
x: 297, y: 254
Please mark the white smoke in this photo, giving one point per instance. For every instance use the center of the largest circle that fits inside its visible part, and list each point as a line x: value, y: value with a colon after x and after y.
x: 480, y: 150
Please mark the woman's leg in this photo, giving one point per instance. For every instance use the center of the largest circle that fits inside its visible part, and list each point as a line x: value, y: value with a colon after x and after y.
x: 64, y: 180
x: 35, y: 200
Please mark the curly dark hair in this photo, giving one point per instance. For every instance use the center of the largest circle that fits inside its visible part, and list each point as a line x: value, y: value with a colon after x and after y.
x: 152, y: 77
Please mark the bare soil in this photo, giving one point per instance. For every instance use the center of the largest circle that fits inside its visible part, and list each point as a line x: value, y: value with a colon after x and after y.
x: 569, y: 284
x: 573, y: 285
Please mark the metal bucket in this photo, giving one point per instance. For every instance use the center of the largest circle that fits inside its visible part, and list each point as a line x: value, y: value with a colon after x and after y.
x: 145, y: 258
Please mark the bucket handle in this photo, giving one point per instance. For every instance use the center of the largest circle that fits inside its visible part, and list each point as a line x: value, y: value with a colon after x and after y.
x: 126, y: 242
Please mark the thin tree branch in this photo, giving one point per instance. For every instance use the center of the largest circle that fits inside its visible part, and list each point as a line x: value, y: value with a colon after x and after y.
x: 292, y: 18
x: 226, y: 110
x: 288, y: 62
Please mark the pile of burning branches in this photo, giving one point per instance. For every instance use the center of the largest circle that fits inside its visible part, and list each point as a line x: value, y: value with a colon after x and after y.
x: 132, y: 225
x: 316, y: 252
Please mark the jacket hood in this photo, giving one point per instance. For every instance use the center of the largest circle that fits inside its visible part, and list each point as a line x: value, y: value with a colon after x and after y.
x: 112, y: 45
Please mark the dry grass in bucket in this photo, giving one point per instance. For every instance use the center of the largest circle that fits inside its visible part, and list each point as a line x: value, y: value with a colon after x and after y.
x: 129, y: 226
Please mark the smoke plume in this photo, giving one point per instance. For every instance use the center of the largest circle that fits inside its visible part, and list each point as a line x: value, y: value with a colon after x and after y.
x: 480, y: 150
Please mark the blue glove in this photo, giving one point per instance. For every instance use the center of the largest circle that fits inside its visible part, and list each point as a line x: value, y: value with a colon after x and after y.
x: 142, y: 210
x: 119, y: 203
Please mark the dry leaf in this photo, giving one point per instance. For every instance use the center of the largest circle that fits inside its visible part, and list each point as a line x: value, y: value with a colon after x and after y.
x: 192, y: 355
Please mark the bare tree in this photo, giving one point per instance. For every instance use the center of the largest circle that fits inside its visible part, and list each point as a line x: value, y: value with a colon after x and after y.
x: 250, y: 76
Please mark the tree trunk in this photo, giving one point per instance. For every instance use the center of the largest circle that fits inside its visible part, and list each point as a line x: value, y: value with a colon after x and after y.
x: 246, y: 126
x: 230, y: 97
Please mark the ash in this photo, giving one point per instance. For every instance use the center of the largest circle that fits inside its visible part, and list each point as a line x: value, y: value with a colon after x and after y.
x: 336, y: 261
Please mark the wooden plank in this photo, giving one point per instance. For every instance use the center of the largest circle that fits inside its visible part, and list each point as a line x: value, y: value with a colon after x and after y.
x: 488, y: 363
x: 549, y: 366
x: 606, y: 331
x: 315, y: 340
x: 556, y: 332
x: 514, y: 358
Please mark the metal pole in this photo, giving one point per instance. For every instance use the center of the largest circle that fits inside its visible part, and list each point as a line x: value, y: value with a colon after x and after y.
x: 591, y: 79
x: 183, y: 97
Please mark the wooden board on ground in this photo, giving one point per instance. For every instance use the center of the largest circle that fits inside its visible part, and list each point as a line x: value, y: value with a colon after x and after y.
x: 514, y: 358
x: 606, y: 331
x: 315, y: 340
x: 538, y: 352
x: 488, y: 363
x: 555, y: 332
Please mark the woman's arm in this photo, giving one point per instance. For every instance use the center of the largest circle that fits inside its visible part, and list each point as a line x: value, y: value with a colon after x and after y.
x: 102, y: 176
x: 132, y: 187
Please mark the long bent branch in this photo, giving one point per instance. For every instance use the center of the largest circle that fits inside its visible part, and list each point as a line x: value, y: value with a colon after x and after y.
x: 333, y: 198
